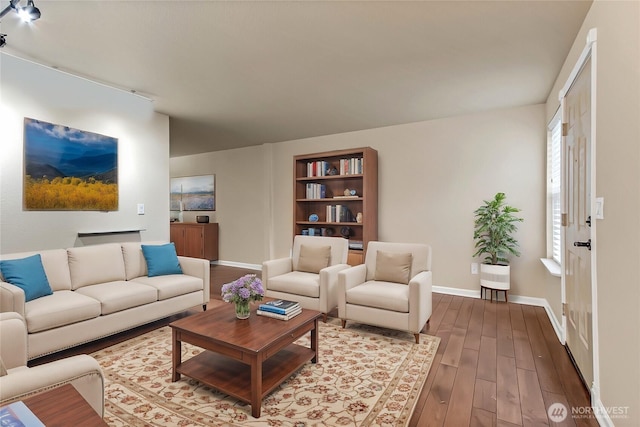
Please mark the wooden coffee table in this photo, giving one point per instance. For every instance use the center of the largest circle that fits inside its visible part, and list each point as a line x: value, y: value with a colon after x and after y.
x: 63, y: 406
x: 264, y: 344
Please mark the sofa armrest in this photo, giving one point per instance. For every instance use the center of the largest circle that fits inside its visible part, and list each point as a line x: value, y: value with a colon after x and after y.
x: 11, y: 298
x: 347, y: 279
x: 275, y: 267
x: 13, y: 340
x: 82, y: 371
x: 200, y: 268
x: 420, y: 300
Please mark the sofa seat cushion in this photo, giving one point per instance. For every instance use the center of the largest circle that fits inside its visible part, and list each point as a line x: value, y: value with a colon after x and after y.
x: 297, y: 283
x: 119, y: 295
x: 384, y: 295
x: 172, y: 285
x: 59, y: 309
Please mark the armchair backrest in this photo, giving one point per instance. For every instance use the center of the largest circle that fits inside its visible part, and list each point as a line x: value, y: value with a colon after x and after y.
x: 421, y: 256
x: 339, y: 248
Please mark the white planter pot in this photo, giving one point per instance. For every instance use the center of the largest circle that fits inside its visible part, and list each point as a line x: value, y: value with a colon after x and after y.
x: 495, y: 276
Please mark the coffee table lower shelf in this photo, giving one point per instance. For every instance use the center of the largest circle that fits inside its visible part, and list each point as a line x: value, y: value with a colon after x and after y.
x: 234, y: 378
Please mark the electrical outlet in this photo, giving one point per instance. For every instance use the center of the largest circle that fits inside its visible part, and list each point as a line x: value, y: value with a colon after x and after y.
x: 140, y: 208
x: 474, y: 268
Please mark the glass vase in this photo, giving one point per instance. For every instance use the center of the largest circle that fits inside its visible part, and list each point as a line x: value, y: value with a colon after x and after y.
x: 242, y: 309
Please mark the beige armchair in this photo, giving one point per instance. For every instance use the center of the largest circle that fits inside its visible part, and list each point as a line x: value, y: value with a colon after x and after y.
x: 310, y: 275
x: 392, y: 289
x: 17, y: 381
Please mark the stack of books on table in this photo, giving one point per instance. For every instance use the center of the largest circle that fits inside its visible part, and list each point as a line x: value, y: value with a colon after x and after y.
x: 280, y: 309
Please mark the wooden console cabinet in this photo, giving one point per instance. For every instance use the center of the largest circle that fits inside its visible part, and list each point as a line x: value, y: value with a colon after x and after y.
x: 195, y: 240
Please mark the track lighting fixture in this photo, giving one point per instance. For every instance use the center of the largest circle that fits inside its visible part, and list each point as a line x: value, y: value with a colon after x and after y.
x: 27, y: 13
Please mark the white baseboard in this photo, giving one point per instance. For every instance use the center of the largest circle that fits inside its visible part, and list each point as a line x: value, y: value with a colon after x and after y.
x: 469, y: 293
x: 256, y: 267
x: 601, y: 413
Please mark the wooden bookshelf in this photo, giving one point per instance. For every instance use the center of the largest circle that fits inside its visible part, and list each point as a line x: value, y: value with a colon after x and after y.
x: 320, y: 181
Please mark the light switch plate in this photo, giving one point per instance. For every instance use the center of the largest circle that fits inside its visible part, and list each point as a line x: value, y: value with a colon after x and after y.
x: 140, y: 208
x: 474, y: 268
x: 599, y: 207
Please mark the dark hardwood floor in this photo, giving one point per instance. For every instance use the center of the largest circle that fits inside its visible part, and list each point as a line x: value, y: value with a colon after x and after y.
x: 498, y: 364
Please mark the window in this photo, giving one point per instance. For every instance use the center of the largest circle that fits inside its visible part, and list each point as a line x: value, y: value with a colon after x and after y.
x: 554, y: 180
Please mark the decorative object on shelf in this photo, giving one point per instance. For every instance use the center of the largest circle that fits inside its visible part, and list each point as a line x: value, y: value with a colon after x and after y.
x: 346, y: 232
x: 313, y: 217
x: 347, y: 192
x: 56, y: 156
x: 494, y: 227
x: 193, y: 193
x: 359, y: 217
x: 242, y: 292
x: 202, y: 219
x: 353, y: 192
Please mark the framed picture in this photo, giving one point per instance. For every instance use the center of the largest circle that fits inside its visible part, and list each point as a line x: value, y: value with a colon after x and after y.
x: 69, y: 169
x: 193, y: 193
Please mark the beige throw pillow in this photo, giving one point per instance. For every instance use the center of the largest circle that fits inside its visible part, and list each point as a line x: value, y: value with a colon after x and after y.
x: 3, y: 370
x: 393, y: 267
x: 314, y: 258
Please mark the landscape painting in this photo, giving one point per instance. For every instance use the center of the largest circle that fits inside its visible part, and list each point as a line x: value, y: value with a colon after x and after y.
x: 69, y: 169
x: 193, y: 193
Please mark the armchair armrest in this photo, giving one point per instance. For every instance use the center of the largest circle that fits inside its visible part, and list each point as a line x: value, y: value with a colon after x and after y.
x: 11, y: 298
x: 329, y: 286
x: 13, y: 340
x: 82, y: 371
x: 420, y: 300
x: 347, y: 279
x: 200, y: 268
x: 275, y: 267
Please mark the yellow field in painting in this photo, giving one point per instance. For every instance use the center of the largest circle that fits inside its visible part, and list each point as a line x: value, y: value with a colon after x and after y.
x: 70, y: 194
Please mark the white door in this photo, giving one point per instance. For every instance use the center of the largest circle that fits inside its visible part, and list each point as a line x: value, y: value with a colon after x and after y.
x: 577, y: 252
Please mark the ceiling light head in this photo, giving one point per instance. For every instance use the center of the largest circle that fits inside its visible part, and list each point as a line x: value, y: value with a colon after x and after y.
x: 29, y: 12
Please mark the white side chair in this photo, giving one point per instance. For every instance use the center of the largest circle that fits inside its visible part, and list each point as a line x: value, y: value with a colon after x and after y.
x: 392, y: 289
x: 17, y: 381
x: 310, y: 275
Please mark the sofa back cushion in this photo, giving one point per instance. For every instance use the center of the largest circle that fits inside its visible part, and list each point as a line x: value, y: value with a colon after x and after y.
x: 56, y: 267
x: 134, y: 262
x: 90, y: 265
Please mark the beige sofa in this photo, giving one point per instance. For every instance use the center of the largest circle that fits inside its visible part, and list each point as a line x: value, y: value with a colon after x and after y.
x: 98, y: 291
x: 17, y: 381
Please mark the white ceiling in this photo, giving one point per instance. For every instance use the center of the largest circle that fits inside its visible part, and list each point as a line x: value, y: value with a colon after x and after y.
x: 239, y: 73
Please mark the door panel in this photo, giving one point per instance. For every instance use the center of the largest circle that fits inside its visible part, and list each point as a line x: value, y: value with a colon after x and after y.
x: 577, y: 177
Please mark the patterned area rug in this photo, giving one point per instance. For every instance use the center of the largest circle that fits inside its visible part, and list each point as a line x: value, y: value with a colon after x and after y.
x: 366, y: 376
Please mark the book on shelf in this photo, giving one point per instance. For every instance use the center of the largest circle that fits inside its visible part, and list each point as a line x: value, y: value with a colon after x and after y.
x: 338, y: 213
x: 279, y: 316
x: 315, y: 191
x: 356, y: 245
x: 280, y: 306
x: 17, y: 414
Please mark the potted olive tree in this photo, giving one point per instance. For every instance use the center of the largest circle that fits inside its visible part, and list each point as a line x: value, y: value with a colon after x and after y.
x: 495, y: 225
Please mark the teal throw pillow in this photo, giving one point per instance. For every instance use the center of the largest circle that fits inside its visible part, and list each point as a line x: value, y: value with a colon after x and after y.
x: 161, y: 259
x: 27, y: 274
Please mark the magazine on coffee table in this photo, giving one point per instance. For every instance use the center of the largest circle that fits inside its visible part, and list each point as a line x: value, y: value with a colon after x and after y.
x: 18, y: 414
x: 280, y: 306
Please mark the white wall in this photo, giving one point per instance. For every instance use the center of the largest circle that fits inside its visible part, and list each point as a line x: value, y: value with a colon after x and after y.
x: 432, y: 176
x: 618, y: 181
x: 38, y: 92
